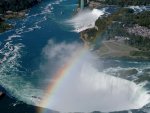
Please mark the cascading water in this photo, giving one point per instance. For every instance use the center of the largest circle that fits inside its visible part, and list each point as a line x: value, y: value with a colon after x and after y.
x: 86, y: 89
x: 79, y: 23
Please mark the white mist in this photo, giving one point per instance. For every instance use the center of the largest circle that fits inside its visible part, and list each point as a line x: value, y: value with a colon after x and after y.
x: 86, y: 89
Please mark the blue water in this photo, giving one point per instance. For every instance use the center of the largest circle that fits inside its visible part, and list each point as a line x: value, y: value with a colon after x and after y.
x: 43, y: 22
x: 21, y: 56
x: 51, y: 27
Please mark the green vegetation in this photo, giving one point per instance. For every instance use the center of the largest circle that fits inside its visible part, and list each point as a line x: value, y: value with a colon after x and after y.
x: 105, y: 23
x: 140, y: 42
x: 124, y: 2
x: 130, y: 18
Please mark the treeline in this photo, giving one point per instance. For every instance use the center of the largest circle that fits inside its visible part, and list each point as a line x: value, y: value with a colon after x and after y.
x: 16, y: 5
x: 143, y: 18
x: 142, y: 43
x: 124, y: 2
x: 130, y: 18
x: 126, y: 18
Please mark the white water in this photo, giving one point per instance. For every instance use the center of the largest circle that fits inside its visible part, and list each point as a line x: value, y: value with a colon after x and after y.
x: 11, y: 73
x: 85, y: 19
x: 96, y: 91
x: 86, y: 89
x: 13, y: 82
x: 138, y: 9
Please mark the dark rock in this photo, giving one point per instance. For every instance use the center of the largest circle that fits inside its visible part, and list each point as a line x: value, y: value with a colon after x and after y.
x: 5, y: 26
x: 11, y: 105
x: 1, y: 20
x: 123, y: 73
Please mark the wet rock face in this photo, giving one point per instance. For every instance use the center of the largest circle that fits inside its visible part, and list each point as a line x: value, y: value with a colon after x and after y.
x: 16, y: 5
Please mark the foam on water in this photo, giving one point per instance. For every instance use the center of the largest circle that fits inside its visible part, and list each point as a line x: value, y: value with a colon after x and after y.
x: 13, y: 36
x: 91, y: 90
x: 86, y: 89
x: 10, y: 77
x: 138, y: 9
x: 85, y: 19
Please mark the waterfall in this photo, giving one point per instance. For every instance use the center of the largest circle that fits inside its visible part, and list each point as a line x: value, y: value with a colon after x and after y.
x: 86, y: 89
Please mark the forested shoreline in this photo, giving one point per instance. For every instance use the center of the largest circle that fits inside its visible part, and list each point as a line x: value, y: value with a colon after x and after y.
x: 124, y: 2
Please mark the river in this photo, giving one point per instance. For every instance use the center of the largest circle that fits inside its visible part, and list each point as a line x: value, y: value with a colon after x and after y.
x: 42, y: 42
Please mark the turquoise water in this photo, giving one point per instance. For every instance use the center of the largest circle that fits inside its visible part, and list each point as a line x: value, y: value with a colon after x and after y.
x: 21, y: 49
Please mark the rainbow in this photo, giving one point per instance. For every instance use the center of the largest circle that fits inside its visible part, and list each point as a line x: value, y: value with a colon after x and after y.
x: 61, y: 75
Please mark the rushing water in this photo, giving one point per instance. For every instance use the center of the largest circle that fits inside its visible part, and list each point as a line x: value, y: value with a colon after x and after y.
x: 83, y: 88
x: 42, y: 40
x: 21, y: 47
x: 79, y: 22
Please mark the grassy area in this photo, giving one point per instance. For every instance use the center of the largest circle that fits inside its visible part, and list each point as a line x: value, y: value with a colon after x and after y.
x: 145, y: 54
x: 142, y: 18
